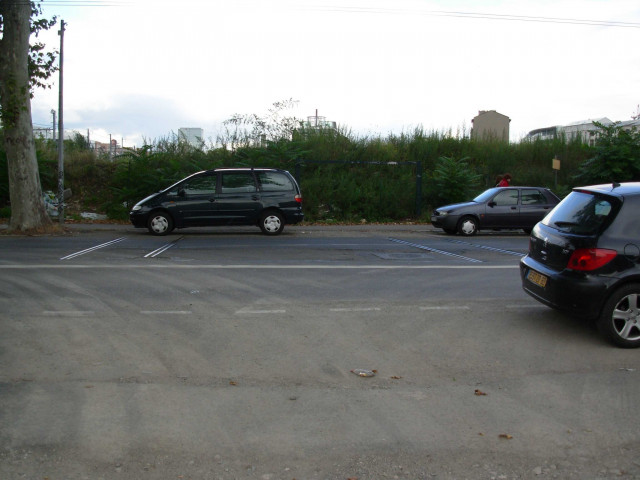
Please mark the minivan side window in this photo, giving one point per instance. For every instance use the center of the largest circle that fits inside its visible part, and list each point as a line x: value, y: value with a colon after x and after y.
x: 200, y: 185
x: 238, y: 182
x: 274, y: 182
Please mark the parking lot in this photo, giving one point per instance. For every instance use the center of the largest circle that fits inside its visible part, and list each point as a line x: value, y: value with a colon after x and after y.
x: 223, y: 353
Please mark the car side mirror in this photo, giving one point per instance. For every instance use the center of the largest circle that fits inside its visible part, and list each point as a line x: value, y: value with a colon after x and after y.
x: 491, y: 204
x: 181, y: 193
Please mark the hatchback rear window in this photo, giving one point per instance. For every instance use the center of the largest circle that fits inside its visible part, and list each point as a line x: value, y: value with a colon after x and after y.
x: 582, y: 213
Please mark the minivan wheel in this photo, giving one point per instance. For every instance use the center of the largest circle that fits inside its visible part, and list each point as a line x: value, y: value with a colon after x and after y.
x: 620, y: 318
x: 160, y: 223
x: 271, y: 223
x: 468, y: 226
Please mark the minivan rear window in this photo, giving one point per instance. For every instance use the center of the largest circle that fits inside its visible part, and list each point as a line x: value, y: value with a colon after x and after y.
x: 274, y: 182
x: 583, y: 213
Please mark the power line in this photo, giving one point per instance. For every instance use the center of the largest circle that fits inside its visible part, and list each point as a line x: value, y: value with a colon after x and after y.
x: 71, y: 3
x: 480, y: 15
x: 87, y: 3
x: 378, y: 10
x: 373, y: 10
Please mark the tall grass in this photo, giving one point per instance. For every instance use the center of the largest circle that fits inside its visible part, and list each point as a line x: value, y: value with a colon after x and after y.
x: 376, y: 182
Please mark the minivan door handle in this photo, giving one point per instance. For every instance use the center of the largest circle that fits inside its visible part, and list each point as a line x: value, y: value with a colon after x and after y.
x: 255, y: 197
x: 212, y: 199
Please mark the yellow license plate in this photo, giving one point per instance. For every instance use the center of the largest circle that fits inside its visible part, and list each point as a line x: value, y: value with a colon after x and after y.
x: 537, y: 278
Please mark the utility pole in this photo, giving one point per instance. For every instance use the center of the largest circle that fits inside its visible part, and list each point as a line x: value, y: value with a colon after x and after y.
x: 53, y: 112
x: 61, y: 133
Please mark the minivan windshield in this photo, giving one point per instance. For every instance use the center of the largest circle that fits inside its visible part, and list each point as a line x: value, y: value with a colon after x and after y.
x: 582, y: 213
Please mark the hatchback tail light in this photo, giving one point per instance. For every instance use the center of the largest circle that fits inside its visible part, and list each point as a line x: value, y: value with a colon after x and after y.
x: 298, y: 198
x: 588, y: 259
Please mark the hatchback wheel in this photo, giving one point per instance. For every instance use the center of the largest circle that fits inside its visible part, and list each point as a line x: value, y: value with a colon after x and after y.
x: 620, y: 318
x: 271, y: 223
x: 160, y: 223
x: 468, y: 226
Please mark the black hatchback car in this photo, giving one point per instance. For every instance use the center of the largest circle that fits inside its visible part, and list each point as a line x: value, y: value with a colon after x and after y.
x: 496, y: 209
x: 584, y: 259
x: 266, y: 197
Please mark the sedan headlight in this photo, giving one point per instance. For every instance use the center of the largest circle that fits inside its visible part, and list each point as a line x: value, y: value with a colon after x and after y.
x: 442, y: 214
x: 136, y: 208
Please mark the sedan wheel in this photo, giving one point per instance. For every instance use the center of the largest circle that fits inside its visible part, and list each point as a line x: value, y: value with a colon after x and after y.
x: 271, y: 223
x: 468, y: 226
x: 160, y: 223
x: 620, y: 318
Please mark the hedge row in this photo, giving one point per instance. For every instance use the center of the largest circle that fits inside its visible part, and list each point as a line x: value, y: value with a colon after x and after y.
x: 343, y: 178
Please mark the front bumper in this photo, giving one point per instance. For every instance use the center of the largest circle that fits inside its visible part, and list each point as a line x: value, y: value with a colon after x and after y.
x: 576, y: 293
x: 139, y: 218
x: 449, y: 222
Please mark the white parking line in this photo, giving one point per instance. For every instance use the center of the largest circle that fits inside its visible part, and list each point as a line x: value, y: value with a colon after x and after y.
x: 164, y: 248
x: 362, y: 309
x: 462, y: 307
x: 255, y: 267
x: 435, y: 250
x: 82, y: 252
x: 523, y: 307
x: 165, y: 312
x: 259, y: 312
x: 278, y: 311
x: 68, y: 313
x: 485, y: 247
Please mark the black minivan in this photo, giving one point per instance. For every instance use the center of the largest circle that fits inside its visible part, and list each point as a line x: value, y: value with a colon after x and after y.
x: 584, y: 259
x: 266, y: 197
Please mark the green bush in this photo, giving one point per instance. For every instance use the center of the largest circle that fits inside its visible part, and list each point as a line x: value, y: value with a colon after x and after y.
x: 453, y: 181
x: 616, y: 157
x: 372, y: 179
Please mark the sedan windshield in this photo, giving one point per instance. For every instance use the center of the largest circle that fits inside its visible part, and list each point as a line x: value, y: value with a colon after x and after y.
x: 486, y: 195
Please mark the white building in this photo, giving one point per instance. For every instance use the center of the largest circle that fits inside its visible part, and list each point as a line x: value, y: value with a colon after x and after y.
x: 193, y: 136
x: 318, y: 122
x: 585, y: 130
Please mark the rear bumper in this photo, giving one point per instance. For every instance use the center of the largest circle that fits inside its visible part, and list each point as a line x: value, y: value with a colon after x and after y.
x: 576, y: 293
x: 292, y: 218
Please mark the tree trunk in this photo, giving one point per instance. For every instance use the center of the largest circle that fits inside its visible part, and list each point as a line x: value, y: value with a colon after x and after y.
x: 27, y: 205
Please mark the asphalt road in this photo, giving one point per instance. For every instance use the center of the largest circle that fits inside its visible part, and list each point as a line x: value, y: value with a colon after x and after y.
x: 223, y: 353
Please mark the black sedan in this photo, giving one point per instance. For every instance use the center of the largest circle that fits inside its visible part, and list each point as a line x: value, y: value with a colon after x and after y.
x: 496, y: 209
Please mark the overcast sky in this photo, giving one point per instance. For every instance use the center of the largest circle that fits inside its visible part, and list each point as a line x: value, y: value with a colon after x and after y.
x: 141, y: 69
